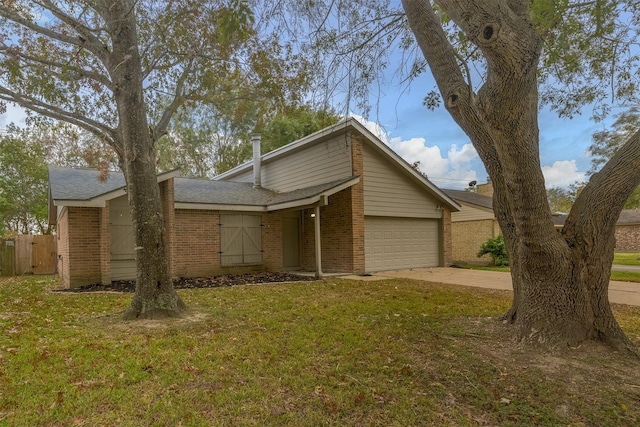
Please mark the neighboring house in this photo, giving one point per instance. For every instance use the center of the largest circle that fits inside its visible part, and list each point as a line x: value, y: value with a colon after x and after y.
x: 338, y: 200
x: 627, y: 229
x: 473, y: 225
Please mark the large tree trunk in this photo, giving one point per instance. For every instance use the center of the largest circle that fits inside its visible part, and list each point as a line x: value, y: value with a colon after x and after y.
x: 155, y: 295
x: 560, y: 279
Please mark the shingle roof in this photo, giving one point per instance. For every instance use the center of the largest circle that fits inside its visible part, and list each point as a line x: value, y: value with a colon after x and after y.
x: 84, y: 184
x: 81, y: 184
x: 189, y: 190
x: 242, y: 193
x: 629, y: 216
x: 471, y: 198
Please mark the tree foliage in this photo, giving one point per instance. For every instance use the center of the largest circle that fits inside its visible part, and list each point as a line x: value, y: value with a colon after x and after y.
x: 607, y: 142
x: 23, y: 184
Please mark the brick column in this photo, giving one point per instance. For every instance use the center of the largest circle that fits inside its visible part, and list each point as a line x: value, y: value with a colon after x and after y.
x: 357, y: 205
x: 167, y: 191
x: 446, y: 238
x: 105, y: 246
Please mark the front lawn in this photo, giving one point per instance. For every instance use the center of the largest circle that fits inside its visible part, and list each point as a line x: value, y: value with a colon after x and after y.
x: 623, y: 276
x: 331, y: 353
x: 626, y: 258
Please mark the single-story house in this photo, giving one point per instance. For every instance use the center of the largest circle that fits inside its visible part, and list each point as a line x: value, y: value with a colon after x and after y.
x: 472, y: 225
x: 338, y: 200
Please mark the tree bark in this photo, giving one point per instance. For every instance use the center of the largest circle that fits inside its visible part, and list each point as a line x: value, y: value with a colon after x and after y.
x: 560, y: 280
x: 155, y: 296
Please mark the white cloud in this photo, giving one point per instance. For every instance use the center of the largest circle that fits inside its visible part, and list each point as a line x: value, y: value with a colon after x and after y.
x: 562, y: 173
x: 453, y: 171
x: 14, y: 114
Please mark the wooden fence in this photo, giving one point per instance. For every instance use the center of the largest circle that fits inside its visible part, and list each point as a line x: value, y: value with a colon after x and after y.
x: 27, y: 254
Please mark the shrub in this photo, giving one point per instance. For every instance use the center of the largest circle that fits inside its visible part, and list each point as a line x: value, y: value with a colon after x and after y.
x: 497, y: 251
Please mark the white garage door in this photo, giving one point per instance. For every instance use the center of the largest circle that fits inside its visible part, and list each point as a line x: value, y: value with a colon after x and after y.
x: 397, y: 243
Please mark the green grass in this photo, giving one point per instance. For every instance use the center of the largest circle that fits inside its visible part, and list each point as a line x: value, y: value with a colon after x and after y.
x: 626, y: 258
x: 623, y: 276
x: 330, y: 353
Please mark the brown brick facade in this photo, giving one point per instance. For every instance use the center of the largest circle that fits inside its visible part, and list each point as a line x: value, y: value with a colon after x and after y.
x: 468, y: 236
x: 82, y: 260
x: 628, y: 238
x: 196, y: 248
x: 336, y: 235
x: 168, y: 214
x: 357, y: 206
x: 105, y: 245
x: 447, y: 245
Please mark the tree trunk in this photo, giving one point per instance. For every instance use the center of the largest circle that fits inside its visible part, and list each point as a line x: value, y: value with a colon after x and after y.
x: 560, y: 280
x: 155, y: 296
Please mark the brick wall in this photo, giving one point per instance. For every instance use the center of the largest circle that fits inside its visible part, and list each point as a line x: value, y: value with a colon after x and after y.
x: 357, y: 206
x: 468, y: 236
x: 336, y: 235
x: 84, y: 248
x: 196, y: 244
x: 169, y: 215
x: 628, y: 238
x: 105, y: 246
x: 447, y: 238
x: 196, y: 247
x: 272, y: 252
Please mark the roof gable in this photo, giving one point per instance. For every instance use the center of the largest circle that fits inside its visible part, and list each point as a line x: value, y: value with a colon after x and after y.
x: 342, y: 128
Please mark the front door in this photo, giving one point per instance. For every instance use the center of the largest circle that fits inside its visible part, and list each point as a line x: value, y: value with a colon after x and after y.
x: 291, y: 239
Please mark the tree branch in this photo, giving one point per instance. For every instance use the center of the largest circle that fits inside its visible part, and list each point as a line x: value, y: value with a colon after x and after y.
x: 437, y: 50
x: 81, y: 72
x: 161, y: 128
x: 58, y: 113
x: 11, y: 15
x: 604, y: 196
x: 88, y: 39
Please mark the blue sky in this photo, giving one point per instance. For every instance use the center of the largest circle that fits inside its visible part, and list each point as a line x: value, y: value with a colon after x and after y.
x: 445, y: 152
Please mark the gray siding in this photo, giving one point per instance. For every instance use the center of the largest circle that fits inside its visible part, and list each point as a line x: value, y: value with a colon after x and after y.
x: 388, y: 191
x: 315, y: 164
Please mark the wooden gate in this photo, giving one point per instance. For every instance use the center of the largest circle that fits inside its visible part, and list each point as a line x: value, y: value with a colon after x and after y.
x: 43, y: 254
x: 7, y: 258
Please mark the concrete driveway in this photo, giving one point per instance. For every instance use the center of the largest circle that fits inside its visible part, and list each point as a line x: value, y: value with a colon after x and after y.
x: 619, y: 292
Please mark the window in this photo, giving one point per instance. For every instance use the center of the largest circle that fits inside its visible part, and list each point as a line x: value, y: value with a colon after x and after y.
x: 240, y: 239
